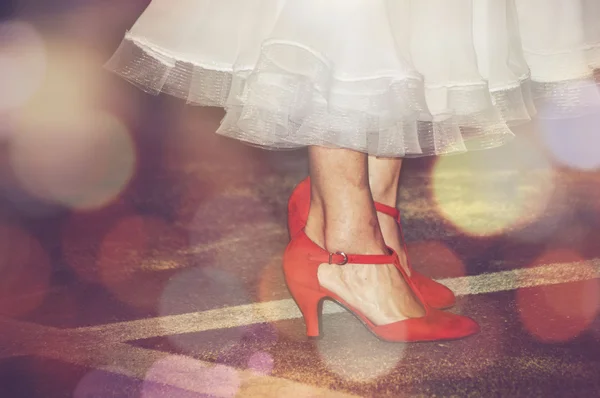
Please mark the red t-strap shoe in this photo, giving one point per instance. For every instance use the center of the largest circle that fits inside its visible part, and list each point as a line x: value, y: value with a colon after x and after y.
x: 301, y: 262
x: 435, y: 294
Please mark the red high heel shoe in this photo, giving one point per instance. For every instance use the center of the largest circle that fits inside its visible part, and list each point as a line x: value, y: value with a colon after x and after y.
x: 301, y: 262
x: 434, y: 293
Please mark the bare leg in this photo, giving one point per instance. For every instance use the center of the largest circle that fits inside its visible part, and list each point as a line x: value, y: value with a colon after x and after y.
x: 342, y: 217
x: 384, y: 180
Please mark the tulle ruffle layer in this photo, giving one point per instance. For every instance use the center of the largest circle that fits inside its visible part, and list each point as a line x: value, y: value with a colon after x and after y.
x: 293, y: 95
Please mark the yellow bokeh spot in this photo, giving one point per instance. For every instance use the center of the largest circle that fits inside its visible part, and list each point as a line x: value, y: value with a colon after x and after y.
x: 486, y: 193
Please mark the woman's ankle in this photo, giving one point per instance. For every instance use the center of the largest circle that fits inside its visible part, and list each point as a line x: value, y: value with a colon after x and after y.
x: 359, y: 233
x: 342, y: 217
x: 358, y: 237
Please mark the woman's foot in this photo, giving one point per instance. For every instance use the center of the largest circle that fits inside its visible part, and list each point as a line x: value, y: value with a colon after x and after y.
x: 435, y: 294
x: 379, y: 291
x: 368, y: 279
x: 307, y: 267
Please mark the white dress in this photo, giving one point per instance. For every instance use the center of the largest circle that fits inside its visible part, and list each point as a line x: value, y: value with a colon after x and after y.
x: 386, y: 77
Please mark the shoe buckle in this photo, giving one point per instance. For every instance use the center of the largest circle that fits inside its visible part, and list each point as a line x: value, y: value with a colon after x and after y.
x: 344, y: 258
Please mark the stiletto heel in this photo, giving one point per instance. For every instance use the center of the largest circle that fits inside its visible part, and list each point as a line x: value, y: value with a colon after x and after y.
x: 434, y: 293
x: 301, y: 263
x: 310, y: 304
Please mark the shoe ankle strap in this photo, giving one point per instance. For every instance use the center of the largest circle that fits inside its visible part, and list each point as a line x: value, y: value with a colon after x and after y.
x: 341, y: 258
x: 389, y: 210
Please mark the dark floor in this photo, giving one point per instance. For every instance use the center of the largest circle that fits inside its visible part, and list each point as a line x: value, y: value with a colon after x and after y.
x: 149, y: 263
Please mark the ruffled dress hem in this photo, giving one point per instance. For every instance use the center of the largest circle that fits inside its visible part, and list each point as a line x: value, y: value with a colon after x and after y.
x: 273, y: 107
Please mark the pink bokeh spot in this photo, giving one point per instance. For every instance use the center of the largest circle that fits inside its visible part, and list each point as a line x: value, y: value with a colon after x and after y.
x: 261, y: 362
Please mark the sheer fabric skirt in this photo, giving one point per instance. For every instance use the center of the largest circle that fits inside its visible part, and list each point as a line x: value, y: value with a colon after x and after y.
x: 386, y: 77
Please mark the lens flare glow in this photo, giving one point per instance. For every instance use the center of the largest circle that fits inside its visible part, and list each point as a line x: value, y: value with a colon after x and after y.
x: 557, y: 313
x: 486, y: 193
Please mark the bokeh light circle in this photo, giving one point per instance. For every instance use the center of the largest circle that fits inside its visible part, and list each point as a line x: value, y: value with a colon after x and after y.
x: 560, y: 312
x: 183, y: 377
x: 354, y: 354
x: 261, y: 362
x: 272, y: 288
x: 200, y: 289
x: 83, y: 162
x: 25, y: 268
x: 82, y: 235
x: 486, y: 193
x: 435, y: 259
x: 105, y: 384
x: 574, y: 143
x: 132, y: 255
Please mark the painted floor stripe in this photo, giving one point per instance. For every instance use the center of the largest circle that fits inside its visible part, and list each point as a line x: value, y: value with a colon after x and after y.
x: 272, y: 311
x: 162, y: 374
x: 179, y: 373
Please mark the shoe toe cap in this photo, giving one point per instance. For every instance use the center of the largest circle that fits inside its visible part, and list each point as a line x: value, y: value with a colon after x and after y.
x: 456, y: 326
x: 434, y: 293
